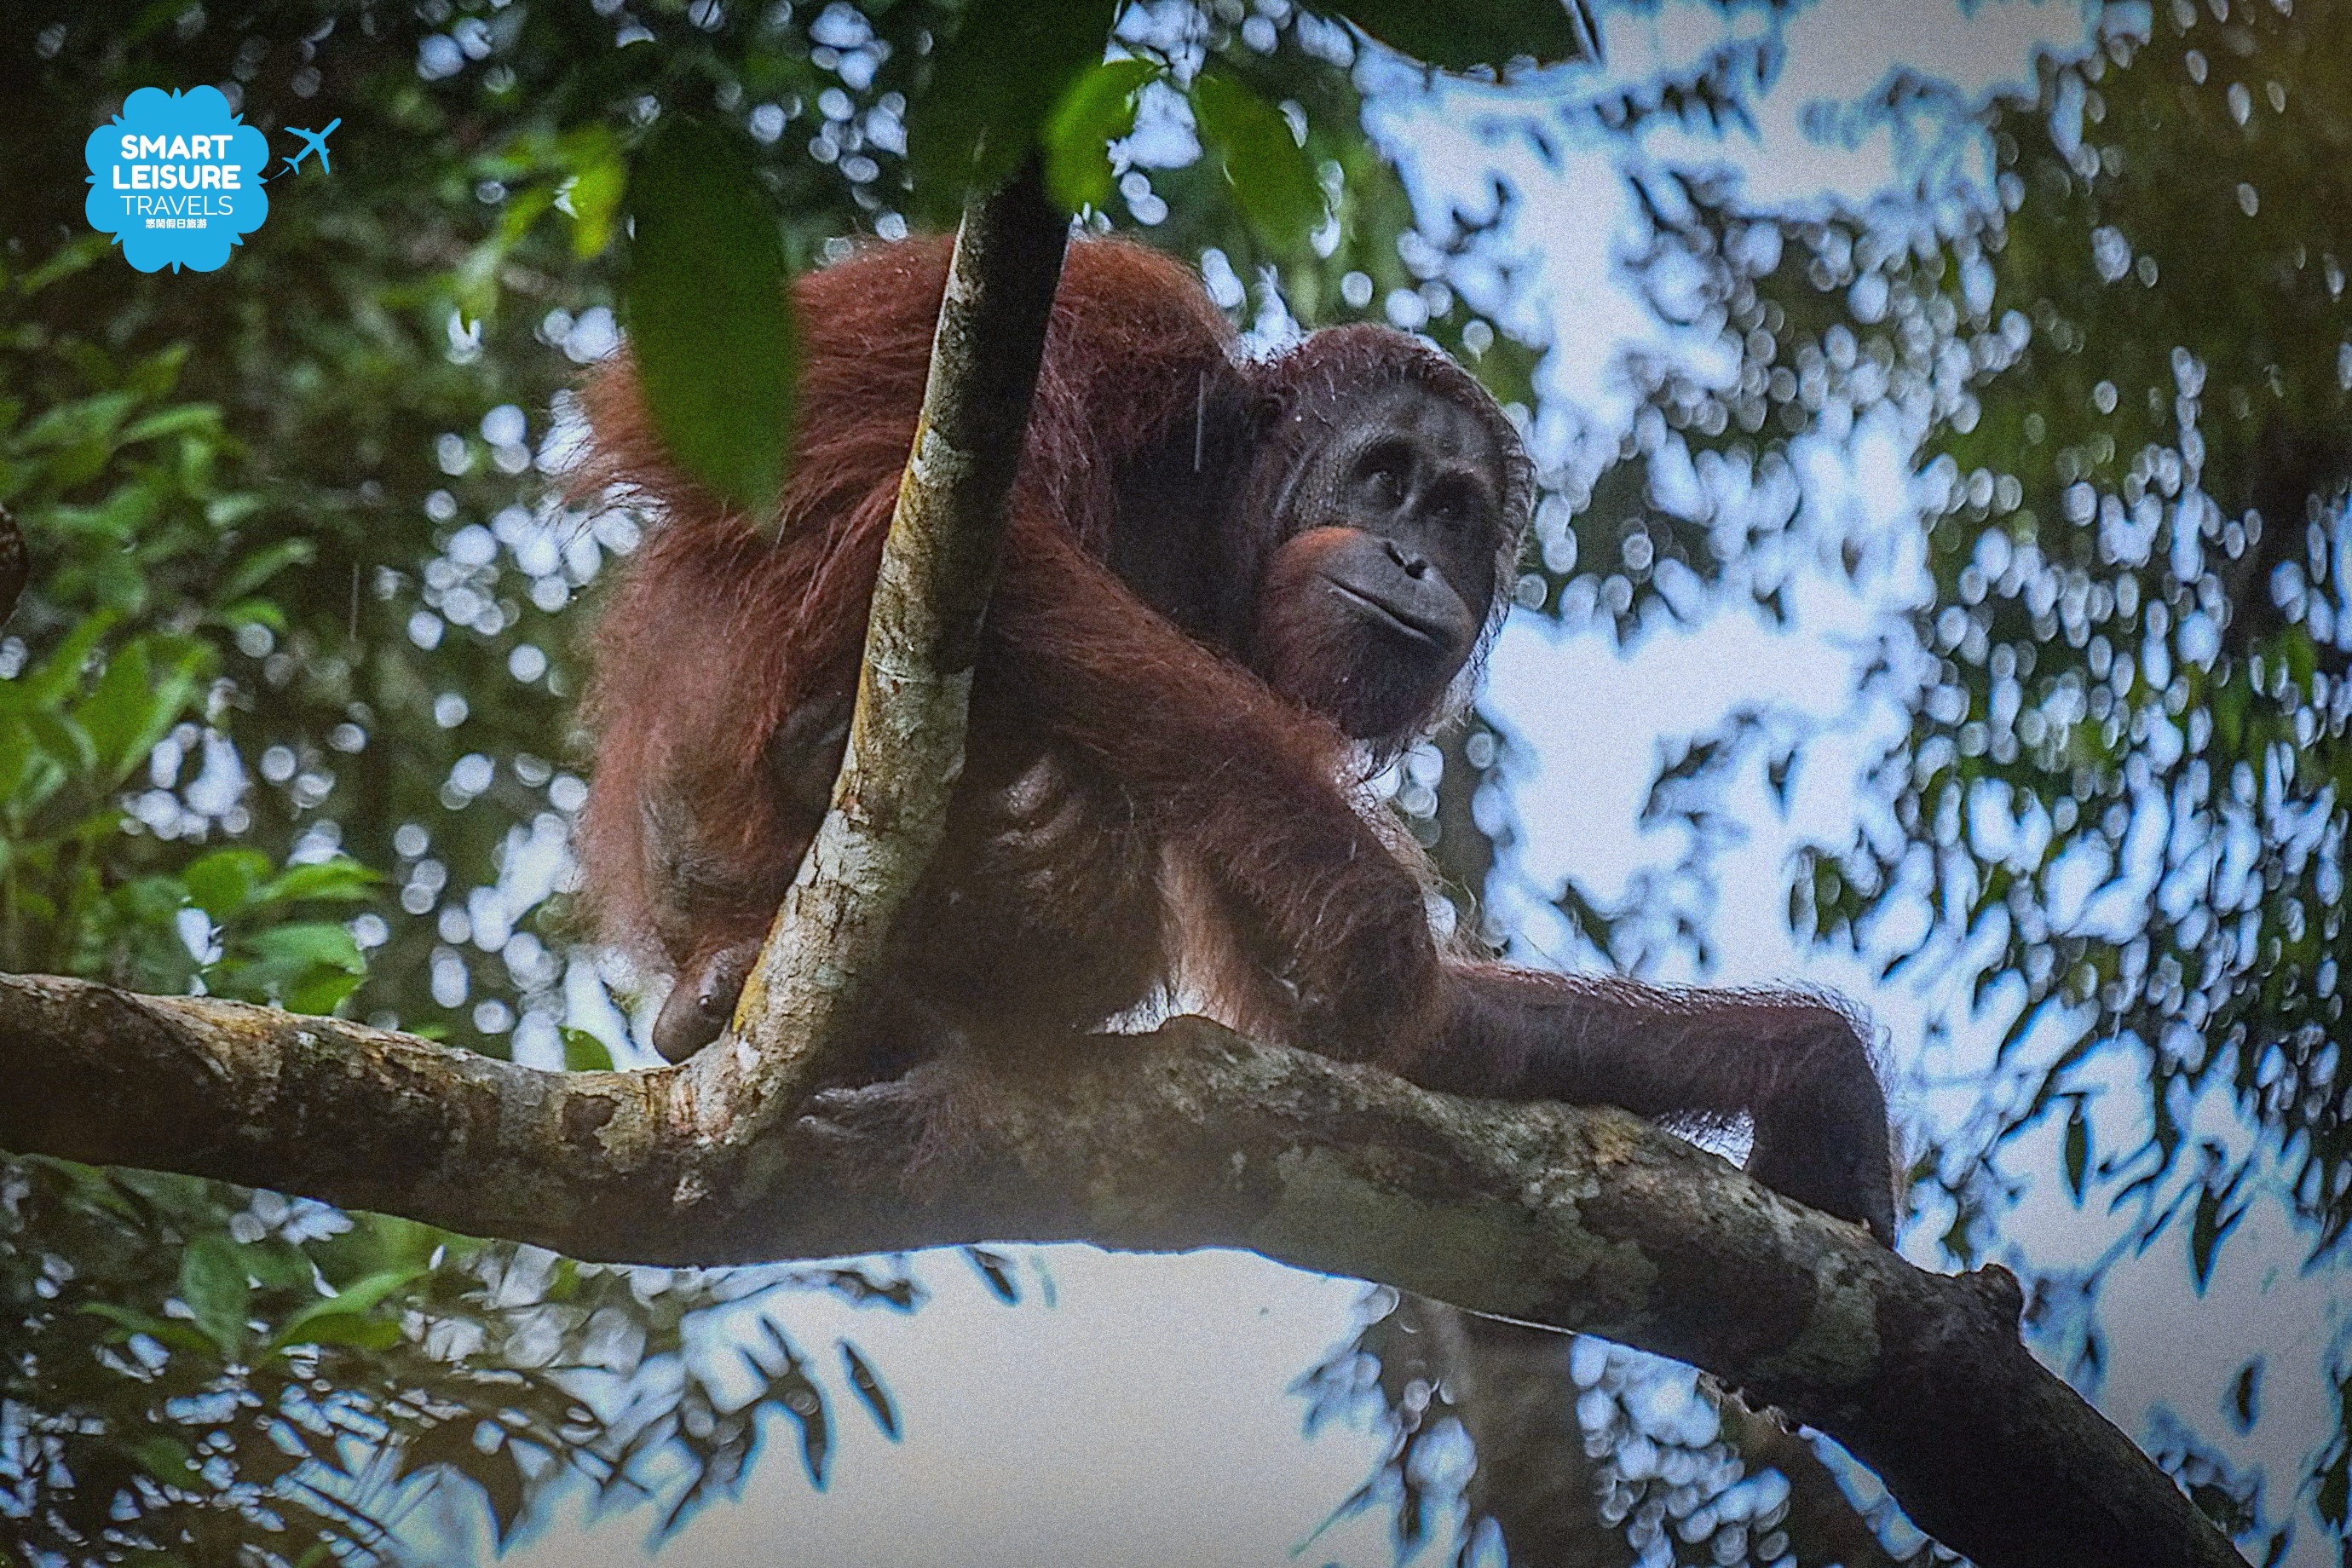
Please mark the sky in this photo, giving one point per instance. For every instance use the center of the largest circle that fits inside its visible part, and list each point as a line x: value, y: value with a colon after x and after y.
x: 1144, y: 1417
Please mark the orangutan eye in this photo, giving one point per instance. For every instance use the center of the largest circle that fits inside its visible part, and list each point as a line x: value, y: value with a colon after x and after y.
x: 1453, y: 504
x: 1385, y: 472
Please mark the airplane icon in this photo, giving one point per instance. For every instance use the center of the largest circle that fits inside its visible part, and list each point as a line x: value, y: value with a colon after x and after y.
x: 316, y: 142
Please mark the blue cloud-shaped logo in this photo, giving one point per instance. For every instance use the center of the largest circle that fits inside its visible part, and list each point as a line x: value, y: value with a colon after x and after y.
x: 176, y: 178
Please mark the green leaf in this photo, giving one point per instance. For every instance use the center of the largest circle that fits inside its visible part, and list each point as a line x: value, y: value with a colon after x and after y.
x: 2078, y: 1152
x: 262, y: 566
x: 275, y: 1261
x: 166, y: 1330
x: 225, y: 882
x: 61, y: 672
x: 340, y: 878
x: 147, y: 685
x: 710, y: 316
x: 88, y: 420
x: 54, y: 737
x: 321, y: 991
x: 306, y: 942
x: 212, y: 1284
x: 1097, y: 110
x: 378, y: 1243
x: 339, y: 1313
x: 160, y: 1454
x: 348, y: 1329
x: 584, y: 1052
x: 309, y: 966
x: 1467, y: 34
x: 256, y: 611
x: 176, y: 421
x: 1009, y: 67
x: 600, y: 179
x: 869, y: 1389
x: 1273, y: 178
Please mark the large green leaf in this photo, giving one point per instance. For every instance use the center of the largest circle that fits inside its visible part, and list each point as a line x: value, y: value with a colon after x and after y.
x: 223, y: 882
x: 1273, y: 178
x: 212, y: 1284
x: 584, y: 1052
x: 710, y: 316
x: 600, y: 178
x: 1473, y: 33
x: 147, y: 685
x: 305, y: 966
x: 340, y: 878
x: 996, y: 83
x: 1097, y: 109
x: 341, y: 1318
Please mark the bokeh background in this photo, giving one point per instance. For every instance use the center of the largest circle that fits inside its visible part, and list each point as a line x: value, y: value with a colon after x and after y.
x: 1937, y: 594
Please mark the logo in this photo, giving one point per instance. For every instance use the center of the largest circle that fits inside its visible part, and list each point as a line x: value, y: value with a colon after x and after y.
x: 312, y: 141
x: 176, y: 178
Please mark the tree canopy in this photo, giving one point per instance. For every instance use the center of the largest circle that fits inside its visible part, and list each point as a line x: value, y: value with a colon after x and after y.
x: 283, y: 714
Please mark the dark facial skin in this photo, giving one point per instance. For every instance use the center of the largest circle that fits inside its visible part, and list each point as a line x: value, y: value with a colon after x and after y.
x: 1377, y: 594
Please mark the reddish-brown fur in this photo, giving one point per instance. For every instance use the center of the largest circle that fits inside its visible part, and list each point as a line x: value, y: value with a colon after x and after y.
x: 1121, y: 742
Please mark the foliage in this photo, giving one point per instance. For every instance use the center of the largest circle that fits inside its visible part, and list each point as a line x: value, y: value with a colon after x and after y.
x: 298, y: 609
x: 301, y: 594
x: 1468, y: 37
x: 2114, y: 799
x: 2134, y: 680
x: 196, y: 1371
x: 1587, y: 1453
x: 2139, y: 679
x: 710, y: 323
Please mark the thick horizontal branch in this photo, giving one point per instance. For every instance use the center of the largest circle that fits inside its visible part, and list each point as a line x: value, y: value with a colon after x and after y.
x: 1190, y: 1137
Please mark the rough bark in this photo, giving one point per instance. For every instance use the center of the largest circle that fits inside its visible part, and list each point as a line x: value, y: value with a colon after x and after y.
x: 1578, y: 1218
x: 1190, y: 1137
x: 1822, y: 1526
x: 907, y: 735
x: 1511, y: 1387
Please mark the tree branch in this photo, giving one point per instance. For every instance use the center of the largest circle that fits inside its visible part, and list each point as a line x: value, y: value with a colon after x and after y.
x: 1575, y: 1218
x: 1190, y: 1137
x: 907, y: 736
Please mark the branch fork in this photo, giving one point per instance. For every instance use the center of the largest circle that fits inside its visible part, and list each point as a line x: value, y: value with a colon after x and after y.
x: 1577, y: 1218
